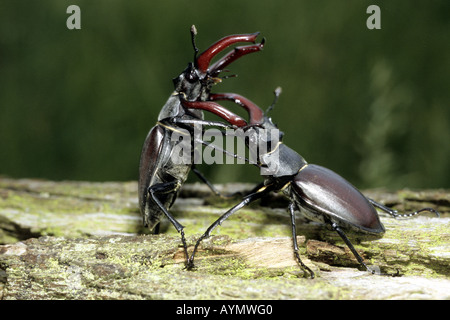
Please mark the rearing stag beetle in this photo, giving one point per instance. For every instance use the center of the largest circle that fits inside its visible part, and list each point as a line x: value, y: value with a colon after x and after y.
x: 160, y: 178
x: 318, y: 193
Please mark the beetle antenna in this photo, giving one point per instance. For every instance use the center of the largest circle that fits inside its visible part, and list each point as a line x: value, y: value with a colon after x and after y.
x: 395, y: 214
x: 229, y: 76
x: 277, y: 93
x: 193, y: 34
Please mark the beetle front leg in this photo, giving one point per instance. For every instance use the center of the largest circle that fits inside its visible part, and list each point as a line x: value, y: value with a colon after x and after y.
x: 211, y: 186
x: 178, y: 121
x: 199, y: 122
x: 246, y: 201
x: 210, y: 144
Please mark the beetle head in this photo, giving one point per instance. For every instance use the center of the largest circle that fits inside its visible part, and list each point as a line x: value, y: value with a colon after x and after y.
x: 190, y: 83
x: 196, y: 81
x: 193, y: 84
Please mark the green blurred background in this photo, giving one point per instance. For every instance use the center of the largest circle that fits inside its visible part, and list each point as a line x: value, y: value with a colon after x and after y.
x: 372, y: 105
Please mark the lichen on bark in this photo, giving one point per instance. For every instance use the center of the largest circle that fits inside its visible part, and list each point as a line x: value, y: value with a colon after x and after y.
x: 81, y: 240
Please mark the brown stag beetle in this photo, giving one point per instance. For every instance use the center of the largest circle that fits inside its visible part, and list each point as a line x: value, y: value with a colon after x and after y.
x: 318, y: 193
x: 160, y: 177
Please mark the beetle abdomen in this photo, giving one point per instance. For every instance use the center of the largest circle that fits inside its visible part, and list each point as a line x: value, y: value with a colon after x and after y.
x: 323, y: 192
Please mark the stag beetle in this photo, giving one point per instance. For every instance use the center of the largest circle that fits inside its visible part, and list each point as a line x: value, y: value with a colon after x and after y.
x: 318, y: 193
x: 160, y: 178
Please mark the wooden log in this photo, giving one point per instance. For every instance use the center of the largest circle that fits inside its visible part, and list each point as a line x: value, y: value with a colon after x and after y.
x: 82, y: 240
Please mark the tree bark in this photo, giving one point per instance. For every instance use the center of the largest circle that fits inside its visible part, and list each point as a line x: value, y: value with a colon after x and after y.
x: 83, y: 240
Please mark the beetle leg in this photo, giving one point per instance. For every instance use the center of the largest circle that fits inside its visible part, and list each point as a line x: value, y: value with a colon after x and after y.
x: 395, y: 214
x: 217, y: 109
x: 356, y: 254
x: 163, y: 188
x: 350, y: 246
x: 211, y: 186
x: 294, y: 239
x: 204, y: 59
x: 178, y: 121
x: 228, y: 153
x: 246, y: 201
x: 195, y: 122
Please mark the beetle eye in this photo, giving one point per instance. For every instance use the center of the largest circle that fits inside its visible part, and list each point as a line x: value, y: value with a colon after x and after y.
x: 271, y: 122
x: 190, y: 73
x: 192, y: 76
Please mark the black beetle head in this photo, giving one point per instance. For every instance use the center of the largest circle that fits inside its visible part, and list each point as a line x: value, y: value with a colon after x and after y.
x: 196, y: 80
x: 192, y: 83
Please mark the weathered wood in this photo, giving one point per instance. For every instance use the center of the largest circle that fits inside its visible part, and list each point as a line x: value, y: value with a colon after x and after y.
x: 80, y: 240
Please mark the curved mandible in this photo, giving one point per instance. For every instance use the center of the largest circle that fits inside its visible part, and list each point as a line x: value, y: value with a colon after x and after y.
x: 256, y: 115
x: 206, y: 56
x: 216, y: 109
x: 233, y: 55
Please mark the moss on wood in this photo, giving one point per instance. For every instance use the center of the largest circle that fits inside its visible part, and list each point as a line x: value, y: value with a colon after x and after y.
x: 80, y: 240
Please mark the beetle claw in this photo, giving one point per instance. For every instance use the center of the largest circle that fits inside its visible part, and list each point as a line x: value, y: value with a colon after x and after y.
x: 190, y: 265
x: 376, y: 271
